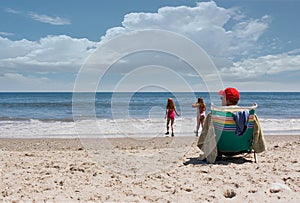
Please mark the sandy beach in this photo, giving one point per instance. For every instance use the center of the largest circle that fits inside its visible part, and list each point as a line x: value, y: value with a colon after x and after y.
x: 121, y: 170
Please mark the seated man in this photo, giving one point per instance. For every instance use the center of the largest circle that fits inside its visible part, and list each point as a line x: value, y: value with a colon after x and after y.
x: 206, y: 141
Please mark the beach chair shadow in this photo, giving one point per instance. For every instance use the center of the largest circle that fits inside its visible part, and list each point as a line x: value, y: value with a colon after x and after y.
x: 229, y: 144
x: 220, y: 161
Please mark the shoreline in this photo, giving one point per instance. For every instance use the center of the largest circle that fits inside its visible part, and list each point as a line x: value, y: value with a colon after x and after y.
x: 60, y: 170
x: 113, y: 136
x: 123, y: 127
x: 72, y: 143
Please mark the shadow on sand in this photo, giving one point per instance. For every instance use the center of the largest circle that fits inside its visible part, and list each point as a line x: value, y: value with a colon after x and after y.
x: 224, y: 160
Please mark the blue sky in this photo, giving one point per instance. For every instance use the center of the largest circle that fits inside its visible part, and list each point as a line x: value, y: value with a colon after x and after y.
x: 254, y: 44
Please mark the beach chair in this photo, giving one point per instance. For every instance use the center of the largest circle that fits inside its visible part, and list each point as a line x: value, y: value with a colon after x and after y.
x: 228, y: 142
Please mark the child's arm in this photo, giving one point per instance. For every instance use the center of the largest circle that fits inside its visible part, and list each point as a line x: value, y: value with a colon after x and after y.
x: 195, y: 105
x: 176, y: 112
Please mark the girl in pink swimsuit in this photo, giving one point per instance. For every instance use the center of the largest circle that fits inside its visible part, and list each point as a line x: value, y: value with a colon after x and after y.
x: 170, y: 115
x: 201, y: 108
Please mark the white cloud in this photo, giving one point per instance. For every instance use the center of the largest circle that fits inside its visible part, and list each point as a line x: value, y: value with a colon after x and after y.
x: 49, y: 54
x: 245, y: 35
x: 204, y: 24
x: 13, y: 11
x: 264, y: 65
x: 53, y: 20
x: 7, y: 34
x: 251, y: 29
x: 49, y: 19
x: 112, y: 33
x: 12, y: 49
x: 180, y: 18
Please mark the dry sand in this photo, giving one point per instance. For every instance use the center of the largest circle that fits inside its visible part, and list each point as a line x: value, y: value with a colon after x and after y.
x: 69, y: 170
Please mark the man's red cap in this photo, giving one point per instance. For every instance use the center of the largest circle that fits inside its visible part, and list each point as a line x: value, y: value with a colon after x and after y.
x: 231, y: 94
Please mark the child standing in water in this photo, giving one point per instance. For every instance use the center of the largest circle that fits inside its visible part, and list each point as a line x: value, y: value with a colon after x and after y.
x: 201, y: 108
x: 170, y: 115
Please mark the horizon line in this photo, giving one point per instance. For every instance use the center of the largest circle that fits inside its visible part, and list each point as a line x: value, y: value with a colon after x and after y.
x: 136, y: 92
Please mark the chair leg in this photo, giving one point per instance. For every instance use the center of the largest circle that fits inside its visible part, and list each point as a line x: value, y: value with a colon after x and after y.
x: 255, y: 158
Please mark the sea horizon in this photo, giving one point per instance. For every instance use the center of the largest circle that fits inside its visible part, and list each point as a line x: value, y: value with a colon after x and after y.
x: 139, y: 91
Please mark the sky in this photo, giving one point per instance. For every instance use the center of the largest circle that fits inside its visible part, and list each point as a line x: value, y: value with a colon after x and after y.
x: 253, y: 44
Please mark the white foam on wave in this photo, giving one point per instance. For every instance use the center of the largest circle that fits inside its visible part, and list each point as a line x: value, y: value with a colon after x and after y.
x: 153, y: 127
x: 280, y: 126
x: 35, y: 128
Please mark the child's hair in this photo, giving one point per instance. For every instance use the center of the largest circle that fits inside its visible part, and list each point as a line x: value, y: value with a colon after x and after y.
x: 201, y: 102
x: 170, y: 104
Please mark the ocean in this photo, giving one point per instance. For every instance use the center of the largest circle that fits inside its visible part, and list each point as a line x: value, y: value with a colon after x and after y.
x: 35, y: 115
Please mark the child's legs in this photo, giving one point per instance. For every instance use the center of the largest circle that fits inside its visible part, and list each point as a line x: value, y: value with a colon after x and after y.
x: 198, y: 123
x: 172, y: 124
x: 202, y: 121
x: 168, y: 121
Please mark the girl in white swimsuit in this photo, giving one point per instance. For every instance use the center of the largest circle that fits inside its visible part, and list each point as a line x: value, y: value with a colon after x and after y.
x: 201, y: 108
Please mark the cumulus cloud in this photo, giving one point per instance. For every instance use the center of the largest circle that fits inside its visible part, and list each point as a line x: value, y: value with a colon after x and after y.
x: 204, y: 24
x: 49, y: 54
